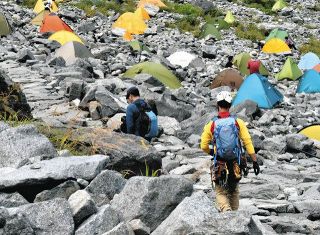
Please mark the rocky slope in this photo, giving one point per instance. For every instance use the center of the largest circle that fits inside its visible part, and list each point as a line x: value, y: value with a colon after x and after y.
x: 45, y: 191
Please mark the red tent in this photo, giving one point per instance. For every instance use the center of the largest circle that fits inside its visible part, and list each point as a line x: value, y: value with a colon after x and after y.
x: 52, y: 23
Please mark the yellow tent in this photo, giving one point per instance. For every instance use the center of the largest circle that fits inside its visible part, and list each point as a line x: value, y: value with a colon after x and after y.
x: 130, y: 22
x: 64, y: 37
x: 40, y: 17
x: 276, y: 45
x: 142, y: 13
x: 157, y: 3
x: 229, y: 18
x: 40, y: 7
x: 312, y: 132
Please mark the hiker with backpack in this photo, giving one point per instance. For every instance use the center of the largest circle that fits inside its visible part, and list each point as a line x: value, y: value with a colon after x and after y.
x: 254, y: 63
x: 140, y: 118
x: 222, y: 138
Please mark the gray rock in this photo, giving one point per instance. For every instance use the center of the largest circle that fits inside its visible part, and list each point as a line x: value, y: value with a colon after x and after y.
x: 12, y: 200
x: 121, y: 229
x: 145, y: 194
x: 257, y: 138
x: 139, y: 228
x: 57, y: 61
x: 63, y: 190
x: 82, y: 206
x: 105, y: 220
x: 197, y: 215
x: 260, y: 191
x: 169, y: 125
x: 24, y: 55
x: 51, y: 217
x: 110, y: 104
x: 182, y: 170
x: 60, y: 168
x: 276, y: 144
x: 299, y: 142
x: 105, y: 186
x: 23, y: 145
x: 247, y: 110
x: 75, y: 90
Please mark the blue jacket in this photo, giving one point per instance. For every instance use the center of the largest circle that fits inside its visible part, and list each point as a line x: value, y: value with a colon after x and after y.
x: 132, y: 114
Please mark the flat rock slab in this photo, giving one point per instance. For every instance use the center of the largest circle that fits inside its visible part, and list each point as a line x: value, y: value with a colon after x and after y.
x: 61, y: 168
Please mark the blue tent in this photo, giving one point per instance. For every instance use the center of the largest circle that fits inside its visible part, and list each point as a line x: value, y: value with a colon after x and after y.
x: 310, y: 82
x: 258, y: 89
x: 308, y: 61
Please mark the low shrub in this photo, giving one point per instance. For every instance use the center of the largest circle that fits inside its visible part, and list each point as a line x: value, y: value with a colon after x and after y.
x: 250, y: 32
x: 312, y: 46
x: 187, y: 24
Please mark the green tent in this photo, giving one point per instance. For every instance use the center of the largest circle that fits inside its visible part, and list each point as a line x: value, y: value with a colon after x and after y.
x: 279, y: 5
x: 277, y: 33
x: 290, y: 70
x: 241, y: 62
x: 220, y: 24
x: 229, y: 18
x: 4, y: 25
x: 157, y: 70
x: 138, y: 46
x: 210, y: 29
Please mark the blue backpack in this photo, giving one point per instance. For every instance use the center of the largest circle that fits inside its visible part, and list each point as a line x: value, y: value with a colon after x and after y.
x: 226, y: 139
x: 148, y: 121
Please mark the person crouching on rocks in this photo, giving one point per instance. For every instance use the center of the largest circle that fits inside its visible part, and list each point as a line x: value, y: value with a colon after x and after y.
x: 140, y: 118
x: 222, y: 138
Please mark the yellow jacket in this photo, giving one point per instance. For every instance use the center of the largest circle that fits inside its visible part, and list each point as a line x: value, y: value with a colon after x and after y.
x: 206, y: 137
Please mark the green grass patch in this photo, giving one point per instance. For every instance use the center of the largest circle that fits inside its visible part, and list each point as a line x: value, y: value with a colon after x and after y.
x: 92, y: 7
x: 29, y: 3
x: 250, y: 32
x: 192, y: 16
x: 187, y: 24
x: 262, y: 5
x: 312, y: 46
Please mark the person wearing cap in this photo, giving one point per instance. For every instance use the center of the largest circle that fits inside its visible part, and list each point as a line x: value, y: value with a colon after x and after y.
x: 227, y: 197
x: 254, y: 63
x: 133, y: 122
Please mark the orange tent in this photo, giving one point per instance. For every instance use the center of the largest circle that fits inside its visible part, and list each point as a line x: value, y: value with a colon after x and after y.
x: 317, y: 68
x: 52, y: 23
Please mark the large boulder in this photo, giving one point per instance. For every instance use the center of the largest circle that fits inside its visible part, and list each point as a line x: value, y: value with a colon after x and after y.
x: 63, y: 190
x: 197, y: 215
x: 127, y: 153
x: 82, y: 206
x: 247, y: 110
x: 151, y: 199
x: 105, y: 220
x: 260, y: 191
x: 12, y: 200
x: 24, y: 145
x: 13, y: 100
x: 194, y: 125
x: 105, y: 186
x: 299, y: 142
x: 32, y: 179
x: 51, y: 217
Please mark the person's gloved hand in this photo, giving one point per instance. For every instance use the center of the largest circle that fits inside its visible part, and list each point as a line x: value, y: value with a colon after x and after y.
x: 256, y: 168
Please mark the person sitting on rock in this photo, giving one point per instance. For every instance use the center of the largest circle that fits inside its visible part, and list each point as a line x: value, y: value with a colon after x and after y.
x: 254, y: 63
x: 222, y: 138
x: 140, y: 119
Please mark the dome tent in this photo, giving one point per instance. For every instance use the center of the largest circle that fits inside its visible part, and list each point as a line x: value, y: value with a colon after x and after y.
x: 4, y: 25
x: 157, y: 70
x: 308, y: 61
x: 258, y: 89
x: 290, y: 71
x: 309, y: 83
x: 228, y: 77
x: 241, y: 62
x: 312, y: 132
